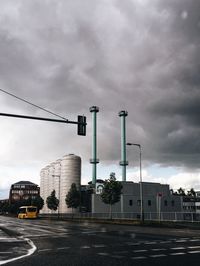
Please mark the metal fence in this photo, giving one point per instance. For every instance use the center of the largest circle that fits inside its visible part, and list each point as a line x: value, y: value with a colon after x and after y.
x: 148, y: 216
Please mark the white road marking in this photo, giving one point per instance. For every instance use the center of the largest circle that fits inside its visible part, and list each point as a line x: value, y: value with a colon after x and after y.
x: 180, y: 241
x: 178, y: 253
x: 63, y: 248
x: 85, y: 247
x: 139, y: 250
x: 150, y: 243
x: 103, y: 254
x: 158, y: 249
x: 194, y: 251
x: 138, y: 258
x: 36, y: 236
x: 58, y: 236
x: 158, y: 256
x: 177, y: 248
x: 29, y: 252
x: 194, y: 247
x: 44, y: 250
x: 194, y: 240
x: 99, y: 246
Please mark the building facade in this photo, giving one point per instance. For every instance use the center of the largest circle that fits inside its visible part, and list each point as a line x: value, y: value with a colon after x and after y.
x: 59, y: 176
x: 157, y: 201
x: 23, y: 190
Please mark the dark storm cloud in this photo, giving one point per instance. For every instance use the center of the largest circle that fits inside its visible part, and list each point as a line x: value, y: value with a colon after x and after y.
x: 140, y: 56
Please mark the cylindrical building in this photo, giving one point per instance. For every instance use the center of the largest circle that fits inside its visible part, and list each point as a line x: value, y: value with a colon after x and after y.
x: 45, y: 189
x: 70, y: 173
x: 51, y: 177
x: 59, y: 176
x: 57, y: 173
x: 42, y: 183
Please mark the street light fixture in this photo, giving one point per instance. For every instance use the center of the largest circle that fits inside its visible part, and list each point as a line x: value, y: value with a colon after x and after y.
x: 141, y: 189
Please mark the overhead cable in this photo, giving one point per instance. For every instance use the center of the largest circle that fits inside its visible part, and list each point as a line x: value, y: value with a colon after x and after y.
x: 37, y: 106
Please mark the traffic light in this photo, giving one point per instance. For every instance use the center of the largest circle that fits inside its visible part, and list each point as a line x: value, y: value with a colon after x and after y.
x: 81, y: 125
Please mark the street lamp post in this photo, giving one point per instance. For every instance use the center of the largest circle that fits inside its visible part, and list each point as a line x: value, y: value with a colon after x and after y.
x: 141, y: 188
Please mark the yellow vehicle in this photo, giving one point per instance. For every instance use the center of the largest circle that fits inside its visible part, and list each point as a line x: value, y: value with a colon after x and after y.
x: 28, y: 212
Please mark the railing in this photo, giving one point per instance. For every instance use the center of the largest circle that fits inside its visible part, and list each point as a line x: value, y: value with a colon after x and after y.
x: 148, y: 216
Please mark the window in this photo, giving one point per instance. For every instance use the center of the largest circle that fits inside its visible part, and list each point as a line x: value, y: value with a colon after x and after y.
x: 173, y: 203
x: 149, y: 202
x: 138, y: 202
x: 130, y: 202
x: 165, y: 202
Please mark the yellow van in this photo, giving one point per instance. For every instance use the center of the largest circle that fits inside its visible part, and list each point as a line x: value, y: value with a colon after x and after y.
x: 28, y: 212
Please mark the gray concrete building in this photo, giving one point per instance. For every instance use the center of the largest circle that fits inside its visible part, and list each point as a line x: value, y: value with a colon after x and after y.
x: 157, y: 201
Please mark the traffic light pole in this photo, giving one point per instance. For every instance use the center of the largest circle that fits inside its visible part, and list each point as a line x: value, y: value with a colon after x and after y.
x: 81, y: 122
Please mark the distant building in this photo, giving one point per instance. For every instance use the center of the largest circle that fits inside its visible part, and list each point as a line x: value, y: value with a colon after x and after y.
x: 23, y: 190
x: 157, y: 200
x: 59, y: 176
x: 197, y: 193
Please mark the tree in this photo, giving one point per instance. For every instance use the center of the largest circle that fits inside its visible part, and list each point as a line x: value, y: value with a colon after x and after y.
x: 73, y: 198
x: 38, y: 202
x: 4, y: 207
x: 181, y: 191
x: 52, y: 201
x: 191, y: 193
x: 111, y: 192
x: 14, y: 206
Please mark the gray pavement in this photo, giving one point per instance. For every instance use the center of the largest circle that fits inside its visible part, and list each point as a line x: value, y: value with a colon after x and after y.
x: 12, y: 247
x: 2, y: 234
x: 73, y: 244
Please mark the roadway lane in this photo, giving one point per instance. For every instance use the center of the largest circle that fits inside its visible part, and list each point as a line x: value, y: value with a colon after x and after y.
x: 64, y: 243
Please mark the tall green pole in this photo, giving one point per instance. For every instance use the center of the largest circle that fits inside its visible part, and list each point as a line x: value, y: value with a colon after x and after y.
x: 123, y: 162
x: 94, y: 110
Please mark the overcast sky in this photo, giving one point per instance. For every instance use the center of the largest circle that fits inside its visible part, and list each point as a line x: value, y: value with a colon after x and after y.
x: 136, y: 55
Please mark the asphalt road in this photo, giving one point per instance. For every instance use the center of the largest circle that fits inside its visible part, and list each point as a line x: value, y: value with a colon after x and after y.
x: 66, y: 243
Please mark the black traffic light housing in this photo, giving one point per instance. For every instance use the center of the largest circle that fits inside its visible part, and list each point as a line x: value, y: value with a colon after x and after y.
x: 81, y: 129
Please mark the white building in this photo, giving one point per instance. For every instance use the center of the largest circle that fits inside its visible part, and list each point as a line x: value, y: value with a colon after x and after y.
x: 59, y: 176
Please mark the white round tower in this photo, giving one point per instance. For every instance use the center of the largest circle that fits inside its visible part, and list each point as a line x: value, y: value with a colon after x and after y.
x: 70, y: 173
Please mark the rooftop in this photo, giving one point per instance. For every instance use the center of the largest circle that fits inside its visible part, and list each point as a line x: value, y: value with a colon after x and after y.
x: 25, y: 183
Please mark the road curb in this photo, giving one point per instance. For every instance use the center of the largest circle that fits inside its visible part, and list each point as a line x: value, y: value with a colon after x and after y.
x: 9, y: 232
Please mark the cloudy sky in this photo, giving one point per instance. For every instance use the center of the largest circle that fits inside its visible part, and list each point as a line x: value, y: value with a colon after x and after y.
x: 136, y: 55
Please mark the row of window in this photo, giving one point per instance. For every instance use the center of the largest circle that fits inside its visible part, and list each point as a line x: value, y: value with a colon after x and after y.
x: 24, y: 186
x: 21, y: 192
x: 19, y: 186
x: 191, y: 207
x: 17, y: 197
x: 149, y: 203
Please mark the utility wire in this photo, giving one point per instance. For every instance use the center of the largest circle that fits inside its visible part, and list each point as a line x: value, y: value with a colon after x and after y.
x: 23, y: 100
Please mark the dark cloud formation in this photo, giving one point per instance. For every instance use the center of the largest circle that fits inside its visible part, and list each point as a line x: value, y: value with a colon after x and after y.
x: 141, y: 56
